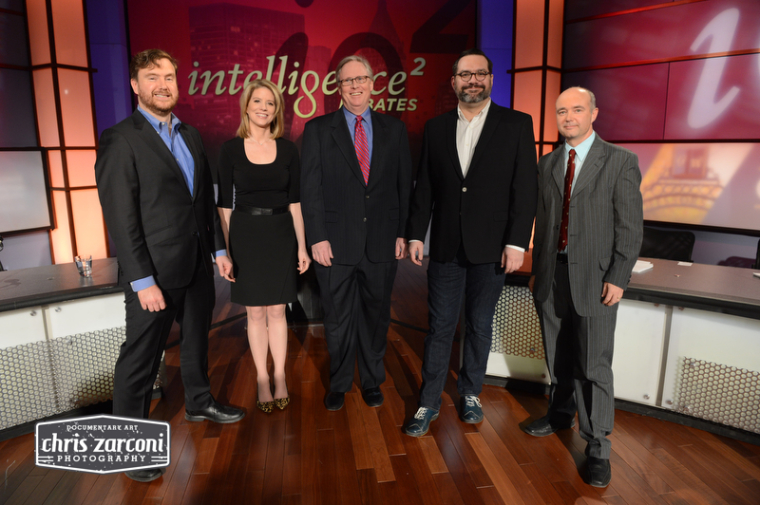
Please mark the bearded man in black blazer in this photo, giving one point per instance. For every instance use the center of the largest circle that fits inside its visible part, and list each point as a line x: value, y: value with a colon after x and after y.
x: 477, y: 178
x: 157, y: 196
x: 355, y: 187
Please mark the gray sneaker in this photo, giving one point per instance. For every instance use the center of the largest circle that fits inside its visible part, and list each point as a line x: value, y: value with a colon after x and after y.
x: 470, y: 409
x: 420, y: 423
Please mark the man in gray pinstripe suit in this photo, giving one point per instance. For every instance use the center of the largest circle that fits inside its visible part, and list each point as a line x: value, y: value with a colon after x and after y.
x: 584, y: 250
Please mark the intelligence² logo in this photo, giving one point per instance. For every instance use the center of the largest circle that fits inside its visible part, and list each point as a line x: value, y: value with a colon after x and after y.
x: 102, y: 444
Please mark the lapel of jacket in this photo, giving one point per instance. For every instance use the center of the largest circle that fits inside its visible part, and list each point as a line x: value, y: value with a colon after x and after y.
x: 154, y: 141
x: 557, y: 167
x: 591, y: 166
x: 343, y: 140
x: 195, y: 151
x: 451, y: 141
x: 379, y: 147
x: 492, y: 121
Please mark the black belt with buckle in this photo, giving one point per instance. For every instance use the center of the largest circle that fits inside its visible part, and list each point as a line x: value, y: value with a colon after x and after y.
x: 258, y: 211
x: 562, y: 258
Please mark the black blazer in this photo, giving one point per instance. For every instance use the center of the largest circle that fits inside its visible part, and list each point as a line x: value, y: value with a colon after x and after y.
x: 153, y: 219
x: 494, y: 205
x: 336, y: 204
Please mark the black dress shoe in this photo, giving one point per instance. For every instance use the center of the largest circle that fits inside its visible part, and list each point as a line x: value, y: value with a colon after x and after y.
x: 373, y: 397
x: 146, y: 475
x: 598, y: 472
x: 216, y: 412
x: 545, y: 426
x: 334, y: 401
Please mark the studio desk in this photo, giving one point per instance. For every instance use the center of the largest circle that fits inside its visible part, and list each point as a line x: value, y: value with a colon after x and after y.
x: 687, y: 340
x: 60, y: 335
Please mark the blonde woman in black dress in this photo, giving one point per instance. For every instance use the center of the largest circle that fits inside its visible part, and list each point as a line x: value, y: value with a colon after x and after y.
x: 265, y: 231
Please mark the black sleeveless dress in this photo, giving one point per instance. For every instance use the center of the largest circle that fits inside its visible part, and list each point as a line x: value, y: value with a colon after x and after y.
x: 264, y: 249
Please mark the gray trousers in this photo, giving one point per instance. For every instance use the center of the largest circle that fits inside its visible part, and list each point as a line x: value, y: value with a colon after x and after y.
x: 579, y: 357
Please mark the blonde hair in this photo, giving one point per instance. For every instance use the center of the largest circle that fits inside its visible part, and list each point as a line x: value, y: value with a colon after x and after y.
x: 277, y: 126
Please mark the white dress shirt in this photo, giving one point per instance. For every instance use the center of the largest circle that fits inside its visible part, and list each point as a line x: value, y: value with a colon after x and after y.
x: 468, y: 134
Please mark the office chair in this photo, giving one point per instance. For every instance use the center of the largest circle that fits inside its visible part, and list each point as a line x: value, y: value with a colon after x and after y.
x: 667, y: 244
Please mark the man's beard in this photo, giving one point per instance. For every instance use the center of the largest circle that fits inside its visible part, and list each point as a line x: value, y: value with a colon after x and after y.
x: 466, y: 97
x: 154, y: 107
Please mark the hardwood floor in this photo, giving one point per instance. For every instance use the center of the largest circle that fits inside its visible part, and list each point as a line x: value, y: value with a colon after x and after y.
x: 358, y: 455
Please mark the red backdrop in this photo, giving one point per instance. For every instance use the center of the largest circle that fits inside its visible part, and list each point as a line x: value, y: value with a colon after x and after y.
x: 297, y: 44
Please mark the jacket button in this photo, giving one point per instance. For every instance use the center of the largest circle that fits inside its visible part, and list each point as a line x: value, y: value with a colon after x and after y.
x: 365, y: 219
x: 464, y: 190
x: 367, y: 197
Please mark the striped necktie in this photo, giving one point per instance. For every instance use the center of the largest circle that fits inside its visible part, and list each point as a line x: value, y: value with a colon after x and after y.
x: 569, y: 175
x: 362, y: 148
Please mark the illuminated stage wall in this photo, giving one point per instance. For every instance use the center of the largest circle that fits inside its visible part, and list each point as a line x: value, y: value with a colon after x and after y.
x: 297, y: 44
x: 679, y: 84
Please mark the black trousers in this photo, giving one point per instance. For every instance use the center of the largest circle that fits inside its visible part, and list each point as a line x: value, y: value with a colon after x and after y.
x: 357, y: 312
x: 140, y: 354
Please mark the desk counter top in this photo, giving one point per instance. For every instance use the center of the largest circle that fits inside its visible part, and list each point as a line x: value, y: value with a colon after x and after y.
x: 707, y: 287
x: 30, y: 287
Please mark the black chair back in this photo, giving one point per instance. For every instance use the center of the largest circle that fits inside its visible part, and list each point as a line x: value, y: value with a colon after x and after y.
x: 667, y: 244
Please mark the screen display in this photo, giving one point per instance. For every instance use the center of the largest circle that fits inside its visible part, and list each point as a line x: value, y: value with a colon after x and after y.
x: 680, y: 86
x: 23, y: 194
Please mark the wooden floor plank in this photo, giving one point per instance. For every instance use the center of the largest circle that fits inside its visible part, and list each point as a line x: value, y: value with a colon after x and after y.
x: 362, y: 453
x: 507, y: 463
x: 377, y: 448
x: 498, y: 476
x: 327, y: 470
x: 433, y: 457
x: 420, y: 470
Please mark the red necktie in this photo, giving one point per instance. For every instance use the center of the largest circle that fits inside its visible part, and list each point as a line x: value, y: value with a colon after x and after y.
x: 362, y: 149
x: 566, y: 201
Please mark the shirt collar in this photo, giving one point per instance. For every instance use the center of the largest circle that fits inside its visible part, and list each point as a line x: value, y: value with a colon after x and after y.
x: 582, y: 149
x: 482, y: 113
x: 155, y: 123
x: 366, y: 115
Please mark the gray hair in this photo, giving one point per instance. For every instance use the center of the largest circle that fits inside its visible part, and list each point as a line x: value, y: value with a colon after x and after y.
x: 354, y: 57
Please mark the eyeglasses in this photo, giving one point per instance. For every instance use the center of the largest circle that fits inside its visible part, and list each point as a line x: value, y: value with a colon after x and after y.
x: 359, y: 80
x: 480, y: 75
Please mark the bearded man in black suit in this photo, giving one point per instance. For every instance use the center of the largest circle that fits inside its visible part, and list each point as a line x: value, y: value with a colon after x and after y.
x: 157, y: 196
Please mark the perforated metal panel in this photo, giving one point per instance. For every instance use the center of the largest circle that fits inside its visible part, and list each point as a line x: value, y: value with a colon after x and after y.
x: 83, y: 366
x: 720, y: 393
x: 49, y: 377
x: 26, y: 384
x: 516, y: 330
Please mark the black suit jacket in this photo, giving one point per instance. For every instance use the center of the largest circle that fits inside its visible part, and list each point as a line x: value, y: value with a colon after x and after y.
x: 494, y: 205
x: 156, y: 224
x: 338, y: 206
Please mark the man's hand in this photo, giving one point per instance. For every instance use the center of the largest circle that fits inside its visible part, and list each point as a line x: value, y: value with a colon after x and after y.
x: 531, y: 282
x: 416, y: 250
x: 225, y: 267
x: 511, y: 259
x: 152, y: 299
x: 611, y: 294
x: 322, y: 253
x: 400, y: 248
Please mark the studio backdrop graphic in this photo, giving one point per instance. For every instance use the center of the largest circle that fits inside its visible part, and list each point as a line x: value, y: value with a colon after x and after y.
x: 297, y: 44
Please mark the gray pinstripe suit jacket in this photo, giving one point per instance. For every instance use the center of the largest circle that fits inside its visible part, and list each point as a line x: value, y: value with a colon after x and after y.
x: 605, y: 226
